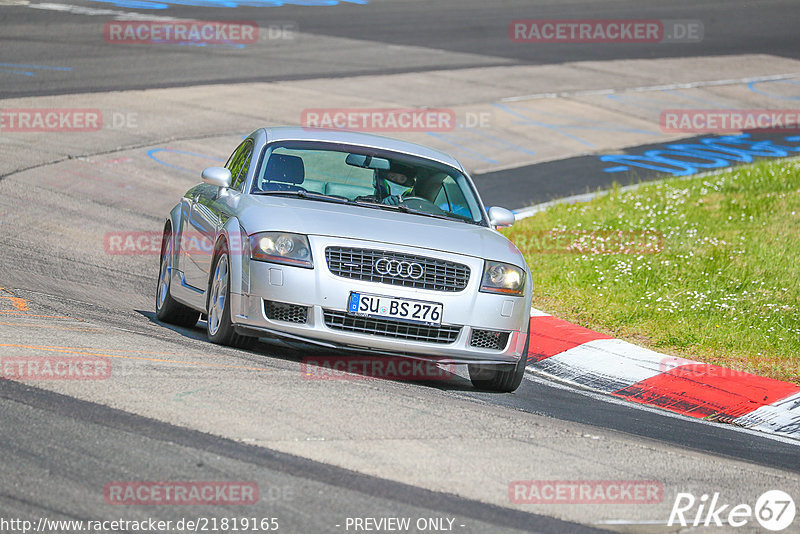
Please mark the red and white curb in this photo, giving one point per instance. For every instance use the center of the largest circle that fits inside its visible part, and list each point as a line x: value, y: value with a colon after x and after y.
x: 592, y: 360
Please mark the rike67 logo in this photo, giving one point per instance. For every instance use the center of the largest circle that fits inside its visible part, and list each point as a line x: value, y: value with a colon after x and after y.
x: 774, y: 510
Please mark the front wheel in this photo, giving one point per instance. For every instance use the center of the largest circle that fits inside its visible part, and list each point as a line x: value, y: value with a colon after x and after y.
x: 219, y: 327
x: 498, y: 377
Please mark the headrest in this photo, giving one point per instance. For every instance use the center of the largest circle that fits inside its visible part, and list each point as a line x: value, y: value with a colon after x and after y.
x: 285, y: 168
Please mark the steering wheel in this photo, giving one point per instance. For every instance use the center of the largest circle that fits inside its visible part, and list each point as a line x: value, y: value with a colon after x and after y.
x: 423, y: 204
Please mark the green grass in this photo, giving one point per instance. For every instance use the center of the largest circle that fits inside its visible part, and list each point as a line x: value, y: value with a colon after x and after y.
x: 720, y: 286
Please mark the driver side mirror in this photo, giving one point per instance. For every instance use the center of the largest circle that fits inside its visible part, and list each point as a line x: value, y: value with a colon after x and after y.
x: 218, y: 176
x: 500, y: 216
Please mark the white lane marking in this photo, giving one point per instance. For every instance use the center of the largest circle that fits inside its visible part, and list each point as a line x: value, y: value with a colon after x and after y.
x: 631, y: 522
x: 91, y: 11
x: 534, y: 375
x: 782, y: 417
x: 608, y: 364
x: 649, y: 88
x: 539, y: 313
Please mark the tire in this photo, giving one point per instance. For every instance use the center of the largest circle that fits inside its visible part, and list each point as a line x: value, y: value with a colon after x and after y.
x: 500, y: 378
x: 219, y: 327
x: 169, y: 310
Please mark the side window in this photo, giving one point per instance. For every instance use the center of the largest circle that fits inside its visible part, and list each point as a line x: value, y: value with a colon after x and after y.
x: 239, y: 163
x: 245, y: 168
x: 247, y: 156
x: 451, y: 198
x: 235, y: 157
x: 441, y: 200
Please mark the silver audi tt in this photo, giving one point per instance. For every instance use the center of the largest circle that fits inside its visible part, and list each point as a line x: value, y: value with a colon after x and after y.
x: 352, y: 242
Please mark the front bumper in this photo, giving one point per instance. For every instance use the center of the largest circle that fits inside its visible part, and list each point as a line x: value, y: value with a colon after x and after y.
x: 320, y: 291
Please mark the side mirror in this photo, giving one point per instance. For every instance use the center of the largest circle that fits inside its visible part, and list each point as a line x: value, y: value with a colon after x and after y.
x: 218, y: 176
x: 500, y: 216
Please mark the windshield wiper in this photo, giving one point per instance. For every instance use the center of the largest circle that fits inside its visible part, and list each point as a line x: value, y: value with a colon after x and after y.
x: 371, y: 204
x: 380, y: 206
x: 305, y: 195
x: 405, y: 209
x: 434, y: 215
x: 364, y: 203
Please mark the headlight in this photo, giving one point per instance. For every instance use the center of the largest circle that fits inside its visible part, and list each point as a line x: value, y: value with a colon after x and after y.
x: 502, y: 278
x: 281, y: 247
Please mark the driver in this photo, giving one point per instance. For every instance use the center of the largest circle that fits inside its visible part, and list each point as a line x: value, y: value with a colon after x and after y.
x: 395, y: 183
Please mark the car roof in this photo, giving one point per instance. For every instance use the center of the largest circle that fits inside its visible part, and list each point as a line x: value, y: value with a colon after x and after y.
x: 291, y: 133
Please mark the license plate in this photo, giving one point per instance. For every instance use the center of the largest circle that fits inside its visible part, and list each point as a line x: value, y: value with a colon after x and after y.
x: 412, y: 311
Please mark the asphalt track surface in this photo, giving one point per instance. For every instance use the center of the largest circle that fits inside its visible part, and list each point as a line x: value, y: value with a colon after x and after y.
x: 539, y: 183
x: 472, y: 30
x: 156, y: 451
x: 59, y: 448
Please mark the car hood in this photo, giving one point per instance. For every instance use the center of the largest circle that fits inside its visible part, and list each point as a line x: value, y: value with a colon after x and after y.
x: 274, y: 213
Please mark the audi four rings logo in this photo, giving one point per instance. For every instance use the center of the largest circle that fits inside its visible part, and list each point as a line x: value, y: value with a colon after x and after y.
x: 403, y: 269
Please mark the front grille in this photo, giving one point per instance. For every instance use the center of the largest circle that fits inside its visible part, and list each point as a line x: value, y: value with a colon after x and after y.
x: 360, y: 264
x: 489, y: 339
x: 390, y: 328
x: 288, y: 313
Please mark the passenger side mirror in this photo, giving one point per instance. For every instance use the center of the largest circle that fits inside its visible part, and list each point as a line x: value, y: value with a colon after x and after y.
x: 218, y: 176
x: 501, y: 217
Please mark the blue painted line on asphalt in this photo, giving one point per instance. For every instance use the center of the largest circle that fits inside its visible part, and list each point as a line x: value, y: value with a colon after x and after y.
x: 22, y: 72
x: 528, y: 120
x: 752, y: 87
x: 42, y: 67
x: 621, y: 168
x: 13, y: 68
x: 581, y: 124
x: 478, y: 155
x: 683, y: 159
x: 629, y: 100
x: 605, y: 127
x: 151, y: 152
x: 698, y: 99
x: 499, y: 141
x: 200, y: 43
x: 166, y: 4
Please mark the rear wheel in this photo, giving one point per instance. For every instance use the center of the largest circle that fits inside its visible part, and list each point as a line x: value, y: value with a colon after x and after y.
x: 168, y: 309
x: 219, y: 326
x: 498, y: 377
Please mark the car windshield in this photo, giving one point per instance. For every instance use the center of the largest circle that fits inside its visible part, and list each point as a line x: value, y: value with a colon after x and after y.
x: 367, y: 178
